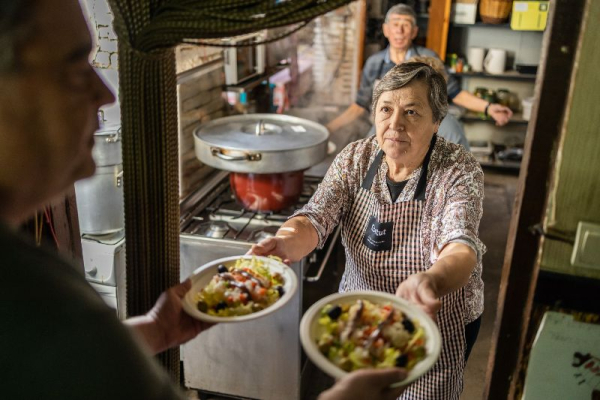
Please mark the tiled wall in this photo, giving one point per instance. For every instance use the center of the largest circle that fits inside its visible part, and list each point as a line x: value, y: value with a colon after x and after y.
x: 200, y: 100
x: 104, y: 55
x: 200, y: 79
x: 334, y: 65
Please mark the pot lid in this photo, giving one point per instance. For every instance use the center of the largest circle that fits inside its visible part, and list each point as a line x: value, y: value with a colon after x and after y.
x: 262, y: 132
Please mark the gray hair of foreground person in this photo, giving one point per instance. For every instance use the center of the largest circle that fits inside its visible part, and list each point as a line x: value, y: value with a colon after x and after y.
x: 15, y: 29
x: 405, y: 73
x: 401, y: 9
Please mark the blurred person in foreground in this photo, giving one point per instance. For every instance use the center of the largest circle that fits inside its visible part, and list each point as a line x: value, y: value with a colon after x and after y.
x: 59, y: 340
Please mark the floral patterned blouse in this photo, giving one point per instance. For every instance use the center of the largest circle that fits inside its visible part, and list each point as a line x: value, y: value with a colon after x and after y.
x: 452, y: 210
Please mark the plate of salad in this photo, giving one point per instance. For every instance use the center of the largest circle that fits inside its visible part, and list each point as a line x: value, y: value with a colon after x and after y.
x: 348, y: 331
x: 239, y: 288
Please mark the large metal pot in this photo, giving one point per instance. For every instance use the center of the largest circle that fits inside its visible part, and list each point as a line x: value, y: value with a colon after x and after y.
x: 100, y: 197
x: 107, y: 146
x: 266, y: 153
x: 100, y: 201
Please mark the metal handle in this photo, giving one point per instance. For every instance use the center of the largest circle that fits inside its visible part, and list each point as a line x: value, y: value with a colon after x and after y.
x: 315, y: 278
x: 260, y: 128
x: 114, y: 138
x: 245, y: 157
x: 119, y: 179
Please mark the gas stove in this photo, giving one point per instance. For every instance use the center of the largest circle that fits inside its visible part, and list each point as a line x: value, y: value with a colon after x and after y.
x: 217, y: 215
x: 218, y: 362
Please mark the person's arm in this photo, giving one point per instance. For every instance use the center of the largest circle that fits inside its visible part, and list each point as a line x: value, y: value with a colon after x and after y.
x: 167, y: 325
x: 364, y: 95
x: 449, y: 273
x: 372, y: 384
x: 296, y: 238
x: 457, y: 250
x: 499, y: 113
x: 310, y: 226
x: 352, y: 113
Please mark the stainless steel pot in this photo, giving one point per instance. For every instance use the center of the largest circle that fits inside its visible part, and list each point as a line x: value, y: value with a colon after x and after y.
x: 100, y: 201
x: 107, y: 146
x: 261, y: 143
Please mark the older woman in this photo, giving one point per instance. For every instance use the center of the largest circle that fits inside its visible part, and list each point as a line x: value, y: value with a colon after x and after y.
x: 410, y: 204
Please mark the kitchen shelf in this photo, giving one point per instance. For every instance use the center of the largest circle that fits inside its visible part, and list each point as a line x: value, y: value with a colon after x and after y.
x: 481, y: 25
x: 508, y: 76
x: 517, y: 119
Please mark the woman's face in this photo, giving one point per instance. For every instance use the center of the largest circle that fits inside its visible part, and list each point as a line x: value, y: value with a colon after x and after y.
x: 404, y: 123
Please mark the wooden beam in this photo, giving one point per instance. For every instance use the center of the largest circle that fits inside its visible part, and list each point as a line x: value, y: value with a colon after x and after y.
x: 437, y: 28
x: 521, y: 266
x: 359, y: 59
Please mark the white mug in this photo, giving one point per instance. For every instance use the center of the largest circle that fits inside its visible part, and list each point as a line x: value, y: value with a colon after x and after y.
x: 495, y: 61
x: 475, y: 58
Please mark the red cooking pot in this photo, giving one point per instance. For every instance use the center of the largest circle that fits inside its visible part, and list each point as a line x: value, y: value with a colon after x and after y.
x: 266, y: 154
x: 267, y: 192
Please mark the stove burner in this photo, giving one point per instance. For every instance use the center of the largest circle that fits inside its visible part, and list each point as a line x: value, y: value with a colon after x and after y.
x: 215, y: 229
x: 259, y: 235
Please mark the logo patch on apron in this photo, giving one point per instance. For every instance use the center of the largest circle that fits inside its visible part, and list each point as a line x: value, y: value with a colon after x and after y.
x: 378, y: 236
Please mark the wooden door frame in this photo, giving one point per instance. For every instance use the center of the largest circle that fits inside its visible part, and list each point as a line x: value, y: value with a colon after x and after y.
x: 437, y: 28
x: 521, y: 263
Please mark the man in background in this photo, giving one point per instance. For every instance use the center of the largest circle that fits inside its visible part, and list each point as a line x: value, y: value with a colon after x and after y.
x: 400, y: 28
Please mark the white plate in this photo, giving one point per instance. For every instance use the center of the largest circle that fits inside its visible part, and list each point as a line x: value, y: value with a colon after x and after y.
x: 203, y: 275
x: 309, y: 331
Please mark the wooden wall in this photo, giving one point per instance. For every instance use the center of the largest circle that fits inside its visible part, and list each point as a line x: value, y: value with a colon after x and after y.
x: 575, y: 190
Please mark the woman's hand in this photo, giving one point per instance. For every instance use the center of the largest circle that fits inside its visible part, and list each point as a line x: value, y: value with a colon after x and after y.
x: 372, y: 384
x: 501, y: 114
x: 166, y: 325
x: 421, y: 289
x: 273, y: 246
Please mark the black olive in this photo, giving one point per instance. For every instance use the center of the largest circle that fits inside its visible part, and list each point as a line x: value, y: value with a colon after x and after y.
x: 402, y: 360
x: 280, y: 290
x: 202, y: 306
x: 220, y: 306
x: 222, y: 269
x: 408, y: 325
x: 335, y: 312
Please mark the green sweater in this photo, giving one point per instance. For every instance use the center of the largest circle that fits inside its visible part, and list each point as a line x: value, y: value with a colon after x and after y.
x: 58, y: 340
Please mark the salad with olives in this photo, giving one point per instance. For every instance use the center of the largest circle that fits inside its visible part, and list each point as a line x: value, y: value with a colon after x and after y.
x: 364, y: 334
x: 244, y: 288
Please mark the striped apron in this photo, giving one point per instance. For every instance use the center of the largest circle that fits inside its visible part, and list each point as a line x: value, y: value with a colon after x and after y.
x: 383, y: 247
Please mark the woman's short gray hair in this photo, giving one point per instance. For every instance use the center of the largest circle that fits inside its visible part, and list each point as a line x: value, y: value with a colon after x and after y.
x: 16, y: 25
x: 402, y: 74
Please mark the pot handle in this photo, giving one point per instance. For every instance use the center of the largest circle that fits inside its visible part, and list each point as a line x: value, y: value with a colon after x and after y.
x: 114, y: 138
x: 119, y: 179
x: 326, y: 258
x: 246, y: 157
